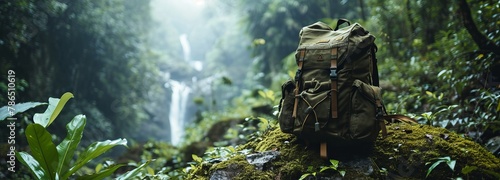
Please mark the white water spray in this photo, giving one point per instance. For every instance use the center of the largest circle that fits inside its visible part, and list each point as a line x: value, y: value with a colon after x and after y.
x: 178, y: 106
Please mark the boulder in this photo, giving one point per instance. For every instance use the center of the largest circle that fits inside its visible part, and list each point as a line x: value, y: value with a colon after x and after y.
x: 407, y: 152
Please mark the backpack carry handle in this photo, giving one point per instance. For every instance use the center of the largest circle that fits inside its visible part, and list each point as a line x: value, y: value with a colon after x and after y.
x: 342, y: 21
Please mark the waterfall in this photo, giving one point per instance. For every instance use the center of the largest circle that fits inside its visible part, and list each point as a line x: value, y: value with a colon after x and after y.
x: 178, y: 106
x: 186, y: 48
x: 180, y: 95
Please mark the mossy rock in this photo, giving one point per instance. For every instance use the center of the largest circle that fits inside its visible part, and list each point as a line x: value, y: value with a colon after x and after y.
x: 407, y: 149
x: 403, y: 154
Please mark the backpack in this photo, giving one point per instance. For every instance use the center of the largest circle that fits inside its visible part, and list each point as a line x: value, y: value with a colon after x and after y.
x: 334, y: 99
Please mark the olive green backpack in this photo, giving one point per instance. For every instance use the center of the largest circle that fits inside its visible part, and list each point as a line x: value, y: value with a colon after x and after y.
x: 334, y: 99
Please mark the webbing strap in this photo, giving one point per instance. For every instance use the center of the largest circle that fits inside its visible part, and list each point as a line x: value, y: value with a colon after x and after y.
x: 298, y: 74
x: 383, y: 128
x: 375, y: 82
x: 323, y: 150
x: 391, y: 118
x: 373, y: 51
x: 380, y: 111
x: 380, y: 117
x: 333, y: 78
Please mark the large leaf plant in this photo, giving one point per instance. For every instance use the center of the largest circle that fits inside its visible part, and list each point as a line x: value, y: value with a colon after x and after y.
x: 50, y: 161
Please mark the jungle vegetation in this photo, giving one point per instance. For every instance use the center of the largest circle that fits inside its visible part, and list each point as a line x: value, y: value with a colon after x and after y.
x: 439, y: 63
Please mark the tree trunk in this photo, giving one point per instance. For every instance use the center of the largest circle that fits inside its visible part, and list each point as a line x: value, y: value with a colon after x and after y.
x: 482, y: 42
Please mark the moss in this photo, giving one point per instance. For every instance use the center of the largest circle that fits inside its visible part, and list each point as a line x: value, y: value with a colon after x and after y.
x: 243, y: 169
x: 407, y: 148
x: 403, y: 153
x: 294, y: 158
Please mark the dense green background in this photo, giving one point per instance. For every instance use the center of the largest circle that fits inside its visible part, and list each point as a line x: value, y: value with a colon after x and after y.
x: 438, y: 60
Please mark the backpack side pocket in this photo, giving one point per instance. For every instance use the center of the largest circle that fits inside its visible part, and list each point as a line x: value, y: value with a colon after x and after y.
x: 286, y: 107
x: 363, y: 123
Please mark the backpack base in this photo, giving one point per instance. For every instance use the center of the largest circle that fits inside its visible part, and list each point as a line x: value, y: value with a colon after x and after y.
x: 346, y: 152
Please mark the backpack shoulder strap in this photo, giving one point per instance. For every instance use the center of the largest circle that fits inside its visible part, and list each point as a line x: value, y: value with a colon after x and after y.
x: 298, y: 75
x: 373, y: 52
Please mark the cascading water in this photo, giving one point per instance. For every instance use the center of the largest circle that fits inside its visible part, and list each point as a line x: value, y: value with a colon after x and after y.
x: 178, y: 106
x: 180, y: 96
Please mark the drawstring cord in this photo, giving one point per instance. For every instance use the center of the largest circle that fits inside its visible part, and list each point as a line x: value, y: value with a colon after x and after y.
x: 316, y: 125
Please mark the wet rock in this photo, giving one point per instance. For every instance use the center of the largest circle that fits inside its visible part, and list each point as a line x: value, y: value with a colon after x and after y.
x: 361, y: 165
x: 226, y: 174
x: 493, y: 145
x: 414, y: 150
x: 259, y: 160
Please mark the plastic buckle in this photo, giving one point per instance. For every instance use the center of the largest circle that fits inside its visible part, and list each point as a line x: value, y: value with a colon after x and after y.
x: 298, y: 74
x: 333, y: 73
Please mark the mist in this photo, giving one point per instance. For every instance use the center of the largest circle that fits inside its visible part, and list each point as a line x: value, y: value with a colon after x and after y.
x: 198, y: 43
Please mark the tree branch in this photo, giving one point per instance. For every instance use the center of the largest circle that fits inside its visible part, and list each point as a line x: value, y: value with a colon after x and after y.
x: 484, y: 43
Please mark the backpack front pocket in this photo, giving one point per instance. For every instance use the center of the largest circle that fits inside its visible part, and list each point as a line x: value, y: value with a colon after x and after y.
x: 313, y: 110
x: 363, y: 121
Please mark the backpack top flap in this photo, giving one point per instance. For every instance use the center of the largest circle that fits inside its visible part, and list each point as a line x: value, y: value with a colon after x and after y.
x: 320, y: 36
x: 316, y: 33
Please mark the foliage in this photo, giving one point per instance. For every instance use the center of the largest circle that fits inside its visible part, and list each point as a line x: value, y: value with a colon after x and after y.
x: 426, y: 38
x: 94, y: 48
x: 409, y: 147
x: 11, y: 111
x: 48, y: 161
x: 52, y: 111
x: 447, y: 160
x: 334, y: 164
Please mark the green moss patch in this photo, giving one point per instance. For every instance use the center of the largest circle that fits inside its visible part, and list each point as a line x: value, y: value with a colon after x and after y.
x: 407, y: 149
x: 402, y: 154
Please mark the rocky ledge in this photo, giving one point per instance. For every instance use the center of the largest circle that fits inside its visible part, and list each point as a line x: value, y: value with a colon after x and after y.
x: 408, y: 152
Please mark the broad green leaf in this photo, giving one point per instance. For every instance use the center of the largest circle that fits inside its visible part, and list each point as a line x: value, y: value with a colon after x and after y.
x: 93, y: 151
x: 342, y: 173
x: 467, y: 169
x: 310, y: 168
x: 102, y: 174
x: 335, y: 163
x: 325, y: 168
x: 98, y: 168
x: 434, y: 166
x: 150, y: 170
x: 498, y: 107
x: 196, y: 158
x: 67, y: 147
x: 7, y: 111
x: 451, y: 164
x: 33, y: 165
x: 133, y: 172
x: 442, y: 72
x: 447, y: 158
x: 304, y: 176
x: 55, y: 107
x: 42, y: 148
